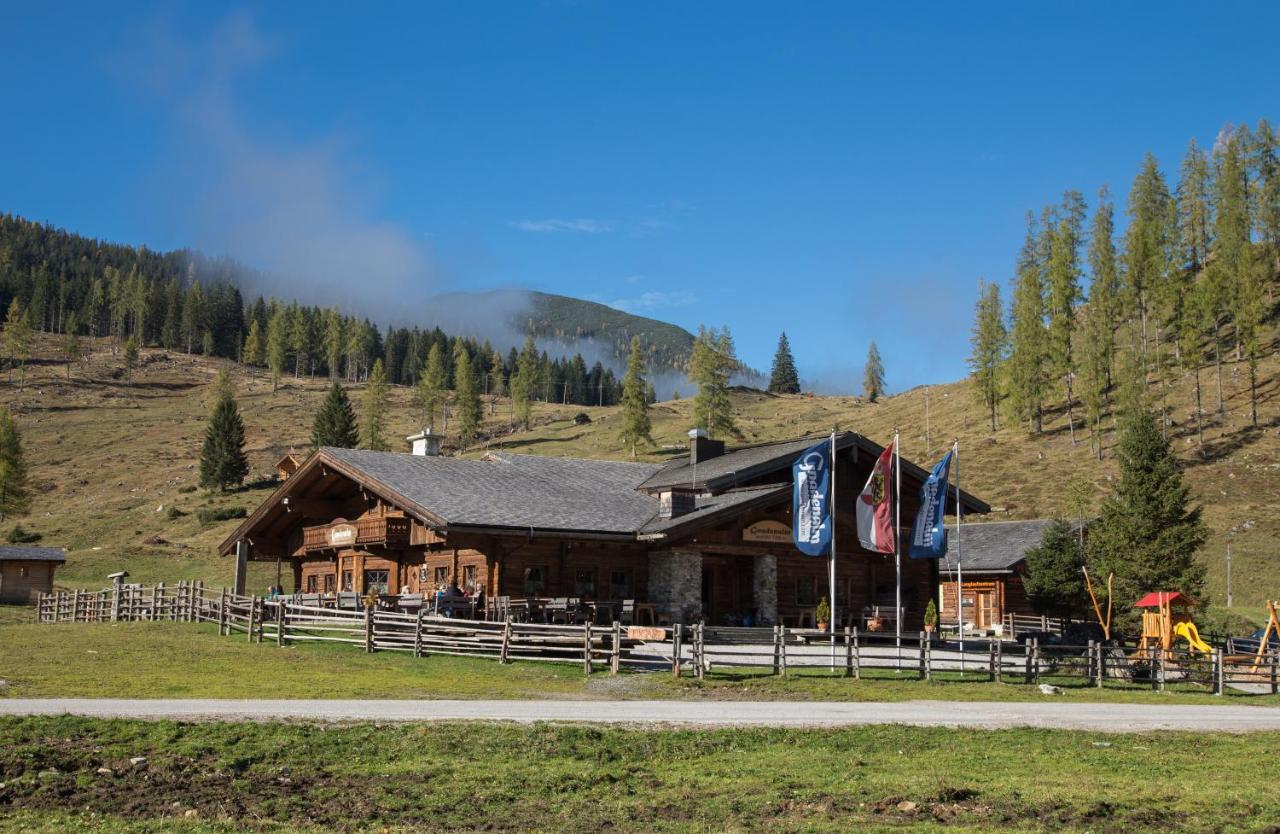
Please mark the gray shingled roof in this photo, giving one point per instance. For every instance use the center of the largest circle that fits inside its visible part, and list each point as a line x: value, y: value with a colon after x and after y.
x: 515, y: 491
x: 32, y: 554
x: 733, y: 465
x: 709, y: 505
x: 993, y: 545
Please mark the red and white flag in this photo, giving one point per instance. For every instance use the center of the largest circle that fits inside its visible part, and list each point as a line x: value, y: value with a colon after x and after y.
x: 875, y: 508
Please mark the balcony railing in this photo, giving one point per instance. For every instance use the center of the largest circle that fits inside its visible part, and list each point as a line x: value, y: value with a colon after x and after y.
x: 388, y: 531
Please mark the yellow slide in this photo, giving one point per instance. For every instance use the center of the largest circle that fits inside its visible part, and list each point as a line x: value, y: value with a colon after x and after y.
x: 1189, y: 632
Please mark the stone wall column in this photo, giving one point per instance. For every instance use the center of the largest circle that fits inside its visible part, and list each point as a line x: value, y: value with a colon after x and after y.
x: 675, y: 584
x: 764, y: 588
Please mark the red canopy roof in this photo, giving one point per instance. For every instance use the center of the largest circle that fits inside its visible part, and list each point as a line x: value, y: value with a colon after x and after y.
x: 1155, y: 598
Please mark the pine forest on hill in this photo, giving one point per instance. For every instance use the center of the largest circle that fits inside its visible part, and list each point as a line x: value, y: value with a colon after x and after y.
x: 1176, y: 313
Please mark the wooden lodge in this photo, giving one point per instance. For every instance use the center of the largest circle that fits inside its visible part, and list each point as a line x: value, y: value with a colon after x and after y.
x: 706, y: 537
x: 994, y: 556
x: 26, y: 572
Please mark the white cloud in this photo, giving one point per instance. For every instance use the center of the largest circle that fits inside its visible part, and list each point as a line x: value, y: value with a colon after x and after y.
x: 648, y: 302
x: 581, y: 225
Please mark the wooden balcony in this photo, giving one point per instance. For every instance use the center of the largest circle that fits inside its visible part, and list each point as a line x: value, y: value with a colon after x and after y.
x: 388, y: 531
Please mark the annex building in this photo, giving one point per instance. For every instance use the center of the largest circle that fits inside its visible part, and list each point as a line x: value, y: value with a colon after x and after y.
x: 705, y: 536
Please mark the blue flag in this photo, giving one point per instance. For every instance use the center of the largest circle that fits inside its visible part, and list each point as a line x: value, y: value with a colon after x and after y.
x: 929, y: 533
x: 811, y: 510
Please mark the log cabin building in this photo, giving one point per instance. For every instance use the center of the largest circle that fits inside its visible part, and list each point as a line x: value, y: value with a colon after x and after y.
x: 26, y: 572
x: 994, y: 556
x: 705, y: 537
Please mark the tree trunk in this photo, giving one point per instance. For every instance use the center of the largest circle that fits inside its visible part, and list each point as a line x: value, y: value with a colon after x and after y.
x: 1253, y: 390
x: 1199, y: 410
x: 1217, y: 359
x: 1071, y: 420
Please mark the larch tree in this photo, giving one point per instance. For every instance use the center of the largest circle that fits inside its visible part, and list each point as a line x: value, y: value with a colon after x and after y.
x: 1028, y: 353
x: 222, y: 459
x: 1233, y: 256
x: 17, y: 340
x: 334, y: 340
x: 1093, y: 337
x: 1104, y: 282
x: 783, y: 378
x: 375, y: 409
x: 130, y: 356
x: 428, y: 393
x: 498, y: 385
x: 15, y: 493
x: 467, y: 397
x: 1148, y: 534
x: 254, y: 353
x: 1064, y: 270
x: 1147, y: 249
x: 1195, y: 214
x: 990, y: 343
x: 709, y: 368
x: 335, y: 422
x: 193, y: 315
x: 1265, y: 161
x: 636, y: 426
x: 71, y: 347
x: 523, y: 382
x: 873, y: 374
x: 277, y: 345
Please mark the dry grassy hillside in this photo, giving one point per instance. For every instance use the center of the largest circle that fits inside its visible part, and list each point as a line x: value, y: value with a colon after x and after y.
x: 111, y: 458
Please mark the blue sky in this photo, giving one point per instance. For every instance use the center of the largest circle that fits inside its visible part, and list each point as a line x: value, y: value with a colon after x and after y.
x: 842, y: 172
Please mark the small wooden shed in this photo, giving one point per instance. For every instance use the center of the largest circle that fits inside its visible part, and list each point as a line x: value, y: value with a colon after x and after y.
x: 26, y: 572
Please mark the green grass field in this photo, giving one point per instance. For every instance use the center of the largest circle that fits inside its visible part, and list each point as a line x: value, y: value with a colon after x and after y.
x: 465, y: 777
x: 175, y: 660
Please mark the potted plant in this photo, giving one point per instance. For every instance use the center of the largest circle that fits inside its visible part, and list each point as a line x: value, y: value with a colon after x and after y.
x: 930, y: 617
x: 823, y: 614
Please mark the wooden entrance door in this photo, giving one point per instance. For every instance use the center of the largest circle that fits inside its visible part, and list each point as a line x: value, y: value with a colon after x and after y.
x: 984, y: 613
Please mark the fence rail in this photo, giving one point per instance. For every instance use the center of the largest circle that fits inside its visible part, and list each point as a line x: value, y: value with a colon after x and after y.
x: 698, y: 649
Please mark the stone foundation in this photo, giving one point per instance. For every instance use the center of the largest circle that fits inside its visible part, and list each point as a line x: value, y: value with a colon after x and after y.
x: 675, y: 584
x: 764, y: 588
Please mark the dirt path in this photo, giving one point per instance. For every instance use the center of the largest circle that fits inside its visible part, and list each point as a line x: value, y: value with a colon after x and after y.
x: 980, y: 714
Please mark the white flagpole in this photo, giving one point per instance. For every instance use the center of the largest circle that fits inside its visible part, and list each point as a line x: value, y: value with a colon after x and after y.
x: 831, y: 509
x: 897, y: 540
x: 959, y: 555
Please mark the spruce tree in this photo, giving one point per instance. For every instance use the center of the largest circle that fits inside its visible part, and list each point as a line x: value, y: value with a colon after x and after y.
x: 1054, y: 581
x: 635, y: 400
x: 375, y: 409
x: 253, y: 348
x: 15, y: 494
x: 783, y: 379
x: 335, y: 422
x: 1064, y: 293
x: 71, y: 347
x: 467, y: 395
x: 130, y: 357
x: 222, y: 460
x: 498, y: 385
x: 990, y: 341
x: 1148, y: 535
x: 873, y: 374
x: 709, y: 368
x: 334, y: 339
x: 1028, y: 352
x: 193, y: 315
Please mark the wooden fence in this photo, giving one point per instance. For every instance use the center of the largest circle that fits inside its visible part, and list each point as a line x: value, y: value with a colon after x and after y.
x: 698, y: 649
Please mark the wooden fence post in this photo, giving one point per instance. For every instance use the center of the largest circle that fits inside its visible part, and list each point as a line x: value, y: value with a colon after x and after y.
x: 368, y: 629
x: 586, y: 648
x: 1102, y: 665
x: 222, y: 613
x: 252, y: 610
x: 1218, y: 674
x: 1090, y: 664
x: 777, y: 651
x: 281, y: 617
x: 616, y: 661
x: 857, y: 654
x: 1035, y: 661
x: 504, y: 655
x: 991, y: 660
x: 848, y: 651
x: 1157, y: 668
x: 782, y: 650
x: 677, y: 646
x: 417, y: 632
x: 1275, y: 671
x: 1030, y: 653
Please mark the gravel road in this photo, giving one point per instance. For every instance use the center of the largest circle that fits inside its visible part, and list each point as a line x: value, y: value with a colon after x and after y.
x: 976, y: 714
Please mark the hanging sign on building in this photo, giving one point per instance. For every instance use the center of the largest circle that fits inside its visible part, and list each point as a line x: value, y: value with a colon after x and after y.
x: 767, y: 531
x: 340, y: 534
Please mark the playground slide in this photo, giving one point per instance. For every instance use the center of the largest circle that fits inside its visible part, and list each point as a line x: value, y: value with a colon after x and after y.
x: 1191, y: 634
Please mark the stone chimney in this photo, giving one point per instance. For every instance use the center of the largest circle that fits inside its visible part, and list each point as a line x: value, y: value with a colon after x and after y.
x: 702, y: 448
x: 674, y: 502
x: 425, y: 443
